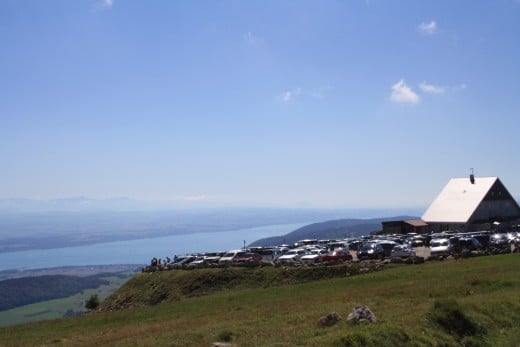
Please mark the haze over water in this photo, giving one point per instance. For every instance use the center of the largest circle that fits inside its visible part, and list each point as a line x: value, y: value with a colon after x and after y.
x: 139, y: 251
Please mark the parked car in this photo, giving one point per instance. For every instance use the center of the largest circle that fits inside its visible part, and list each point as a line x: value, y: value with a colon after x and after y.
x: 440, y: 248
x: 268, y: 253
x: 183, y: 260
x: 483, y: 238
x: 207, y: 258
x: 513, y: 237
x: 387, y: 247
x: 354, y: 245
x: 340, y: 254
x: 247, y: 257
x: 402, y: 251
x: 499, y: 243
x: 371, y: 251
x: 230, y: 256
x: 417, y: 241
x: 199, y: 261
x: 313, y: 256
x: 499, y: 240
x: 292, y: 256
x: 469, y: 244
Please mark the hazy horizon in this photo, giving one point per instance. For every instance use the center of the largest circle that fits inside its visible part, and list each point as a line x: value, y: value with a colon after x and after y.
x: 126, y: 203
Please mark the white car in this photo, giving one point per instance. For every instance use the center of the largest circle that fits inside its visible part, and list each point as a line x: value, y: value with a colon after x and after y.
x: 440, y: 248
x: 230, y: 256
x: 292, y: 256
x: 313, y: 256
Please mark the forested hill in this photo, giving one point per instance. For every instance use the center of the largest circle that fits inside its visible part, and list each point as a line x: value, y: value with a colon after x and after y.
x: 333, y: 229
x: 28, y: 290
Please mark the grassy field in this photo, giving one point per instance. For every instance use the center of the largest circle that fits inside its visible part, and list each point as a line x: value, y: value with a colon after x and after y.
x: 473, y: 302
x: 57, y: 308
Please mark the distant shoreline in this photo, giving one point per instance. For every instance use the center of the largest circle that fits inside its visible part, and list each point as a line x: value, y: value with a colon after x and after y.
x: 54, y: 242
x: 139, y: 251
x: 48, y: 230
x: 81, y: 271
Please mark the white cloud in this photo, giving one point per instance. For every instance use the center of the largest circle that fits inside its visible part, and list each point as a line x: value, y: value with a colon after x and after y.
x: 401, y: 93
x: 107, y: 3
x: 428, y: 28
x: 251, y: 39
x: 290, y: 95
x: 195, y: 198
x: 431, y: 89
x: 100, y: 5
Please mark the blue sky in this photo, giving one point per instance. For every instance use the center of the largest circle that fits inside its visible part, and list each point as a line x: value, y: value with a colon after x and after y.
x: 279, y: 103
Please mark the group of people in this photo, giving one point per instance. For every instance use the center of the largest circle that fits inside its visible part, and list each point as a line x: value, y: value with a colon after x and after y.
x: 158, y: 262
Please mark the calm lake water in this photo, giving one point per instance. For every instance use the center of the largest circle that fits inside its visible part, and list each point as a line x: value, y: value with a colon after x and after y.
x: 140, y: 251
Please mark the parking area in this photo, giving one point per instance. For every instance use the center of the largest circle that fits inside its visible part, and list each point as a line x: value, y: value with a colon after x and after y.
x: 399, y: 248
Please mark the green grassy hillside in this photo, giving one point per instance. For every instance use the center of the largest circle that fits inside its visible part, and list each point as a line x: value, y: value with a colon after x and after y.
x: 473, y: 302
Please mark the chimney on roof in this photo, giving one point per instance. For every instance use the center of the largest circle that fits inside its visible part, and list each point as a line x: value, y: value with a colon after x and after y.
x: 472, y: 177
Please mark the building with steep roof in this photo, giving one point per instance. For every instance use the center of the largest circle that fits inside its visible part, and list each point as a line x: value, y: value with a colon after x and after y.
x: 470, y: 204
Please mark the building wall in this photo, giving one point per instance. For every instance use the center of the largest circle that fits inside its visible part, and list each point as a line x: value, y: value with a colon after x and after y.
x: 438, y: 227
x: 495, y: 210
x: 401, y: 227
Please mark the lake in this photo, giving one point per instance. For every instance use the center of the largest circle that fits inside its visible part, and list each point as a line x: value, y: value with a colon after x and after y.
x: 140, y: 251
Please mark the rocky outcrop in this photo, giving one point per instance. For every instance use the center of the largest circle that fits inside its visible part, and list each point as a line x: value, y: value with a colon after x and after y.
x: 362, y: 314
x: 329, y: 319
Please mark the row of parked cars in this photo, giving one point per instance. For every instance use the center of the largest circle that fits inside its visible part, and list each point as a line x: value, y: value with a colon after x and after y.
x: 313, y: 251
x: 307, y: 251
x: 473, y: 243
x: 276, y: 255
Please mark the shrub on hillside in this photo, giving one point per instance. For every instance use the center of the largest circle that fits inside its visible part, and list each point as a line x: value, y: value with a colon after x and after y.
x: 92, y: 303
x: 449, y: 316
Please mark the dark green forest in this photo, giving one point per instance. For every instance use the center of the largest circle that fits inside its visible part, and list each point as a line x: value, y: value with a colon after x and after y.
x: 28, y: 290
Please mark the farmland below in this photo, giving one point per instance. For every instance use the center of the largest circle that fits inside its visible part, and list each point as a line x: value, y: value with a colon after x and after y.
x: 450, y: 303
x: 57, y: 293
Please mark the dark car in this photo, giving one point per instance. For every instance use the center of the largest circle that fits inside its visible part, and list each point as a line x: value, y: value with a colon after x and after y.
x: 355, y: 245
x: 388, y: 246
x: 499, y: 243
x: 470, y: 244
x: 483, y: 239
x: 465, y: 246
x: 371, y: 251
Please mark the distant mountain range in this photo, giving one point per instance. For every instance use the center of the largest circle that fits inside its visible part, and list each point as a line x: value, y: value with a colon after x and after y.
x: 122, y: 204
x: 80, y: 204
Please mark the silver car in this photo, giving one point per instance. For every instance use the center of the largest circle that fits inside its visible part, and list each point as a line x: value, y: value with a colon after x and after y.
x: 402, y: 251
x: 440, y: 248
